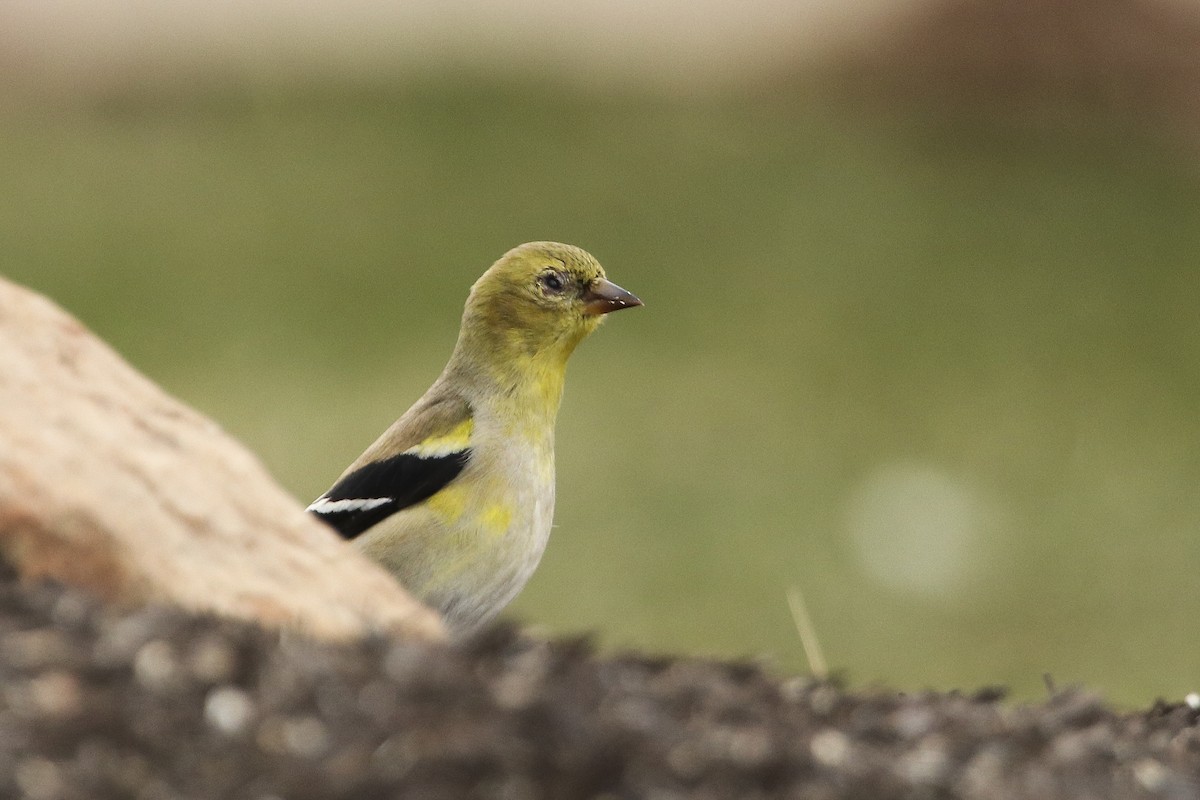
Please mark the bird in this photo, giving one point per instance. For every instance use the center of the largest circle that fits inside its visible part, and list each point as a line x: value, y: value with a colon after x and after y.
x: 456, y: 498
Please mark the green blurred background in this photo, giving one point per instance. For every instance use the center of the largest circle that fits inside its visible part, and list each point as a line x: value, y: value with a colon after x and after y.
x: 921, y: 334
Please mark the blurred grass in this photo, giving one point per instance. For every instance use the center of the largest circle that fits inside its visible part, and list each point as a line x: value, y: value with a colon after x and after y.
x: 832, y: 296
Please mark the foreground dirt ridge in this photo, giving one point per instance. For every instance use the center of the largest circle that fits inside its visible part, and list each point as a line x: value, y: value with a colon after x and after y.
x: 158, y: 703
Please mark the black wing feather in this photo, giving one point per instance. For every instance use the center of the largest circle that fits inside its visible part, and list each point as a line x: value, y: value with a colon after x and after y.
x: 402, y: 480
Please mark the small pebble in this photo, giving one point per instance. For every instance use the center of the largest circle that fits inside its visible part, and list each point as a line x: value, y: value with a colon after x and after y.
x: 155, y: 665
x: 749, y: 747
x: 830, y: 748
x: 1151, y: 775
x: 57, y: 694
x: 39, y: 779
x: 926, y: 764
x: 228, y: 709
x: 305, y: 737
x: 212, y: 660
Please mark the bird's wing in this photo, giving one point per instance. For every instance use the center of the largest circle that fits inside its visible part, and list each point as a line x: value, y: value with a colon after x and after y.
x: 418, y: 456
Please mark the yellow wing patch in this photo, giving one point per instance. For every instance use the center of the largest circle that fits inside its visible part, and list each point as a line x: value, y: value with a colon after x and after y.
x: 449, y: 503
x: 454, y: 440
x: 496, y: 518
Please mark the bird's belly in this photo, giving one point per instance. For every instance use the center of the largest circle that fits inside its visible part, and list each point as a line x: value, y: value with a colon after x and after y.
x: 500, y: 564
x: 502, y: 534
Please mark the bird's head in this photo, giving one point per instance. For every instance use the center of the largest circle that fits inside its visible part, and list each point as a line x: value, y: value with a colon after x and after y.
x: 539, y: 301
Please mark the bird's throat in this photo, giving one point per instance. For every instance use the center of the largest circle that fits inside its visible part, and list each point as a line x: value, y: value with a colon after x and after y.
x: 529, y: 386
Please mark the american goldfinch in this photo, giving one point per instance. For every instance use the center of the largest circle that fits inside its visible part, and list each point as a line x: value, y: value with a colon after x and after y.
x: 456, y: 497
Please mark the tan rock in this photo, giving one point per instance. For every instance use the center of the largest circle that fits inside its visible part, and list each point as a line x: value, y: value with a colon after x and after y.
x: 108, y: 483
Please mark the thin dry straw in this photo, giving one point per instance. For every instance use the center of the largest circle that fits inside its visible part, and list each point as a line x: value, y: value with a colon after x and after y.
x: 808, y: 634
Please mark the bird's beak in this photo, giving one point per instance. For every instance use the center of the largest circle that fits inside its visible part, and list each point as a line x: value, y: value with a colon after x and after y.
x: 603, y: 296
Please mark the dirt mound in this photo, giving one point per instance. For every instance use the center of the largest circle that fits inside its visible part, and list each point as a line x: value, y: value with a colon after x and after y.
x: 157, y: 704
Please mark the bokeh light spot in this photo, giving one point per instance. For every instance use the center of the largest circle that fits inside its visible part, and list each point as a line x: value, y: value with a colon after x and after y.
x: 919, y: 530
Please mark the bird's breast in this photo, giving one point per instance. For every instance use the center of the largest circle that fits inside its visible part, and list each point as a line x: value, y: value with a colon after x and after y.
x: 504, y: 527
x: 519, y: 499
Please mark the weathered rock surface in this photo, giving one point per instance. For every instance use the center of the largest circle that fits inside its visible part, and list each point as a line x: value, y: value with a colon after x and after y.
x: 109, y: 484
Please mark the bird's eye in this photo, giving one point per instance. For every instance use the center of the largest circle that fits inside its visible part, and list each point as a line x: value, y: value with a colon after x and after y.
x: 553, y: 282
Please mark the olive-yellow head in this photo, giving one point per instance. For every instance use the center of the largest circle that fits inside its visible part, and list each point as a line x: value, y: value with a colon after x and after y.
x: 537, y: 302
